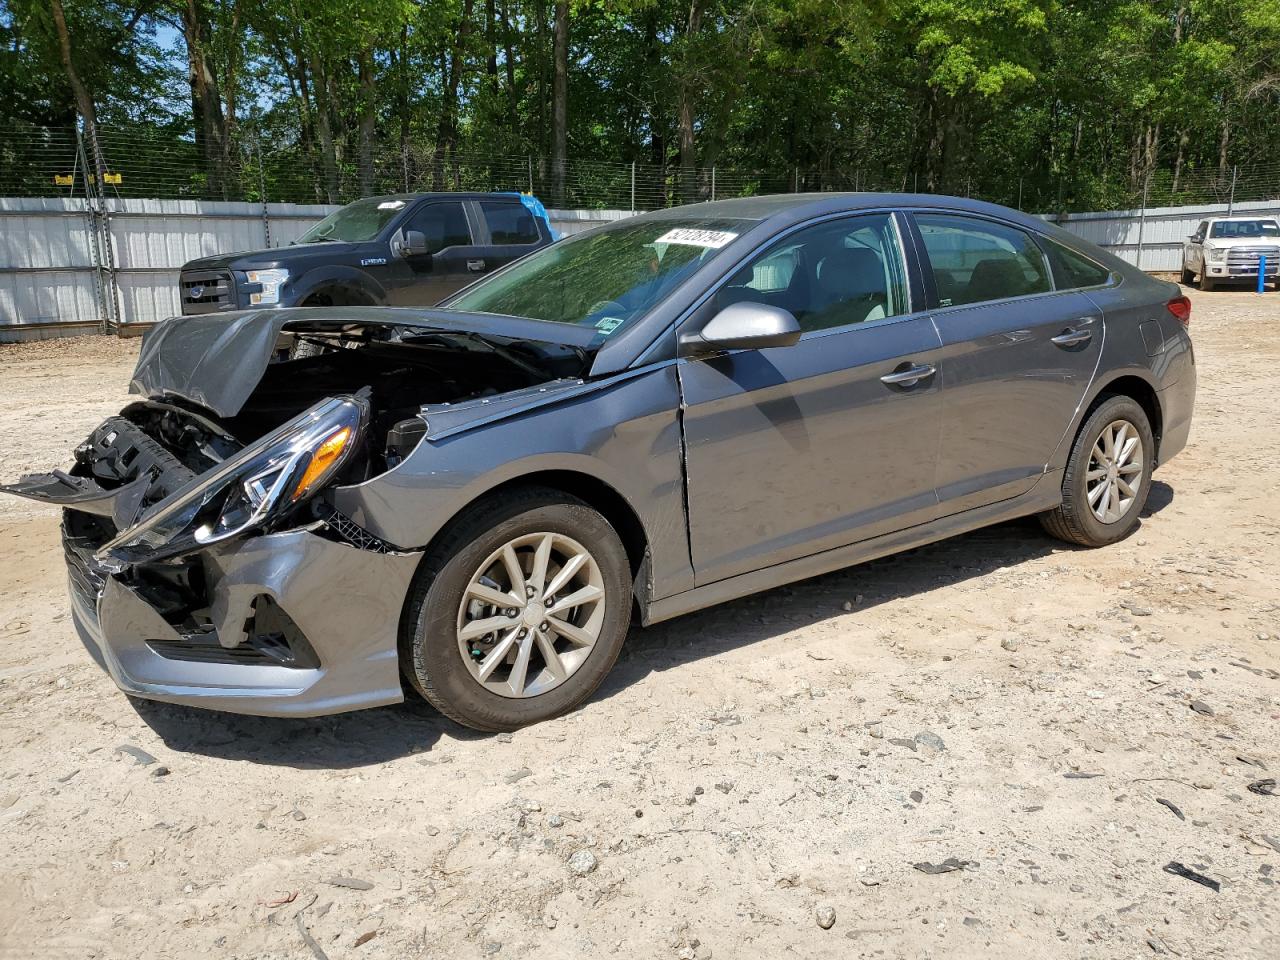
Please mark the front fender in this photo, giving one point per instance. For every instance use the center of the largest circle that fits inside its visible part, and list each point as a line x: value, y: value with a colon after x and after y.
x: 625, y: 434
x: 337, y: 275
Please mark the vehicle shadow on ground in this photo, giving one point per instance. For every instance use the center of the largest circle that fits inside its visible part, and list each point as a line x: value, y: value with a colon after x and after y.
x: 370, y: 737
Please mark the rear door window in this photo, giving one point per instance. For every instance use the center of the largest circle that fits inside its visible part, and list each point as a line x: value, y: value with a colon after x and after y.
x: 974, y: 261
x: 1072, y: 270
x: 443, y: 222
x: 509, y: 223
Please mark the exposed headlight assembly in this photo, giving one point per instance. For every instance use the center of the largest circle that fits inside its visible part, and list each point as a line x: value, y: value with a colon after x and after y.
x: 259, y: 488
x: 271, y: 281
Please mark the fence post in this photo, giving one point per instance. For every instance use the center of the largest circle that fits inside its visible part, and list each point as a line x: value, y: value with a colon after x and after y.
x: 102, y: 231
x: 633, y: 186
x: 1142, y: 220
x: 262, y: 191
x: 713, y: 182
x: 93, y: 234
x: 795, y: 188
x: 1231, y: 199
x: 530, y: 159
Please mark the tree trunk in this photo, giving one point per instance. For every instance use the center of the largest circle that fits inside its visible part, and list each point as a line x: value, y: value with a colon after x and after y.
x: 368, y: 120
x: 447, y: 128
x: 206, y: 104
x: 491, y: 43
x: 560, y: 104
x: 84, y: 102
x: 509, y: 59
x: 324, y: 129
x: 685, y: 119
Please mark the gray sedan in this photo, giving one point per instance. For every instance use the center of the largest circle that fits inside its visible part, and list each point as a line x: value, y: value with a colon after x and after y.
x: 317, y: 510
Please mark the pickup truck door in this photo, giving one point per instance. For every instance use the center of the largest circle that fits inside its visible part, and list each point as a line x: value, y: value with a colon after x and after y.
x: 452, y: 262
x: 1193, y: 251
x: 509, y: 231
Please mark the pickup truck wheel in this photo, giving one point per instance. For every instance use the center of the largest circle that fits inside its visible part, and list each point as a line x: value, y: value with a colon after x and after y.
x: 1108, y: 476
x: 1205, y: 283
x: 1187, y: 276
x: 519, y: 613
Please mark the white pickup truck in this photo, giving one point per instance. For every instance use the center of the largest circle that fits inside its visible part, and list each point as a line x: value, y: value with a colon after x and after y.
x: 1225, y: 249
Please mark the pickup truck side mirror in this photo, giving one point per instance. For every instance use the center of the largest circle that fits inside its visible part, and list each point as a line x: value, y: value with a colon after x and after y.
x: 743, y: 326
x: 414, y: 244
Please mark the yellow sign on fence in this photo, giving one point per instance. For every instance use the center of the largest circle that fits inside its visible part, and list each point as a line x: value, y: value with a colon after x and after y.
x: 112, y: 178
x: 61, y: 180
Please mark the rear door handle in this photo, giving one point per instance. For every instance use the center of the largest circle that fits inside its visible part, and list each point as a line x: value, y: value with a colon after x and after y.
x: 910, y: 376
x: 1071, y: 337
x: 475, y: 266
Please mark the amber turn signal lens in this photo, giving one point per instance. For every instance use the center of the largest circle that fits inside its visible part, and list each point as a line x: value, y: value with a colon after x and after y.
x: 325, y: 456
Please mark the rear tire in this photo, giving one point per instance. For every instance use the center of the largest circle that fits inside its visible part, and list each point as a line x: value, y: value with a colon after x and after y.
x: 1107, y: 479
x: 466, y: 579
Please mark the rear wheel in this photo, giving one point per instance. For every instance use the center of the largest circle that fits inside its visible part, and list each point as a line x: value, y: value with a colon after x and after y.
x: 1108, y: 476
x: 519, y: 613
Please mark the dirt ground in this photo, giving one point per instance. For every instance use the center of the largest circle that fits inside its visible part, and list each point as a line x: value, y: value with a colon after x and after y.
x: 1059, y: 724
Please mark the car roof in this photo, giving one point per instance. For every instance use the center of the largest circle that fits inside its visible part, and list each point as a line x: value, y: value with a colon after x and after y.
x: 449, y: 195
x: 805, y: 205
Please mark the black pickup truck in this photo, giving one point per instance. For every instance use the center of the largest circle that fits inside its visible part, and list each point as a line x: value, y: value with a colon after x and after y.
x: 411, y: 249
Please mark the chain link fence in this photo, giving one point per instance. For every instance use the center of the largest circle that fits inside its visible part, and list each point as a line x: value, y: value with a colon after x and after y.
x: 152, y: 163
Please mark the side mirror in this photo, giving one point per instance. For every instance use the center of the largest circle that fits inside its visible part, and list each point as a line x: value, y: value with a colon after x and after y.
x: 414, y: 244
x: 744, y: 326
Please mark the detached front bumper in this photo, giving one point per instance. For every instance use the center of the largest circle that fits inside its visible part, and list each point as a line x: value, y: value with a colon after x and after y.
x: 302, y: 625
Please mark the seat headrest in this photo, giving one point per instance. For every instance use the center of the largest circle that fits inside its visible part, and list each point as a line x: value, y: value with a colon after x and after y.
x: 850, y: 272
x: 995, y: 278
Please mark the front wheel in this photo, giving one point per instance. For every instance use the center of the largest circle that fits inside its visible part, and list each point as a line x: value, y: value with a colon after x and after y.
x: 1205, y: 283
x: 519, y: 613
x: 1108, y: 476
x: 1187, y: 276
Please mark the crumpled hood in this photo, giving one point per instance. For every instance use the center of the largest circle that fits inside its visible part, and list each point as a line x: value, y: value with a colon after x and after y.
x: 216, y: 360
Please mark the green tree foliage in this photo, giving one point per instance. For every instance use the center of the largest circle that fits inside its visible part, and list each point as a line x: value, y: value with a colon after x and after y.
x: 1054, y: 104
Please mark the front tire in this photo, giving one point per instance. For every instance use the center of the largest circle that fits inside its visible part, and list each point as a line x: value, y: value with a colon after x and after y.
x: 1187, y: 276
x: 519, y: 612
x: 1205, y: 283
x: 1108, y: 476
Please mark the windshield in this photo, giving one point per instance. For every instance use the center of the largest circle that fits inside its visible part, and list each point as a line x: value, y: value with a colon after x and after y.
x: 605, y: 278
x: 1245, y: 228
x: 356, y: 222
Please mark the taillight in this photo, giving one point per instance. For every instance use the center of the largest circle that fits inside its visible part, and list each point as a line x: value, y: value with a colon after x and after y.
x: 1180, y: 307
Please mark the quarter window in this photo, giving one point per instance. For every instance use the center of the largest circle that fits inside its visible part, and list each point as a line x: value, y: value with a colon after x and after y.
x: 975, y: 260
x: 444, y: 223
x: 509, y: 223
x: 829, y: 275
x: 1072, y: 270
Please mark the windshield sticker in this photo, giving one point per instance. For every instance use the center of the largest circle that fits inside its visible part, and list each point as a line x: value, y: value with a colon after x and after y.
x: 391, y: 205
x: 607, y: 325
x: 715, y: 239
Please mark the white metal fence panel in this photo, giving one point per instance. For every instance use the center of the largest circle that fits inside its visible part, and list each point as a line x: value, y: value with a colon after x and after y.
x: 52, y: 284
x: 49, y: 280
x: 1158, y: 233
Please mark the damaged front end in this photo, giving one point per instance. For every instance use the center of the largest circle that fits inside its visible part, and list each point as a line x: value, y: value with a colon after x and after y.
x: 206, y: 564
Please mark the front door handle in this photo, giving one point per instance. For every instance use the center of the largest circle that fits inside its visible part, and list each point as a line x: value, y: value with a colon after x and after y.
x: 475, y: 266
x: 910, y: 376
x: 1072, y: 337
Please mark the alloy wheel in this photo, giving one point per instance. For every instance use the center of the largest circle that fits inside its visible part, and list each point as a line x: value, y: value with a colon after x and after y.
x: 531, y: 615
x: 1114, y: 476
